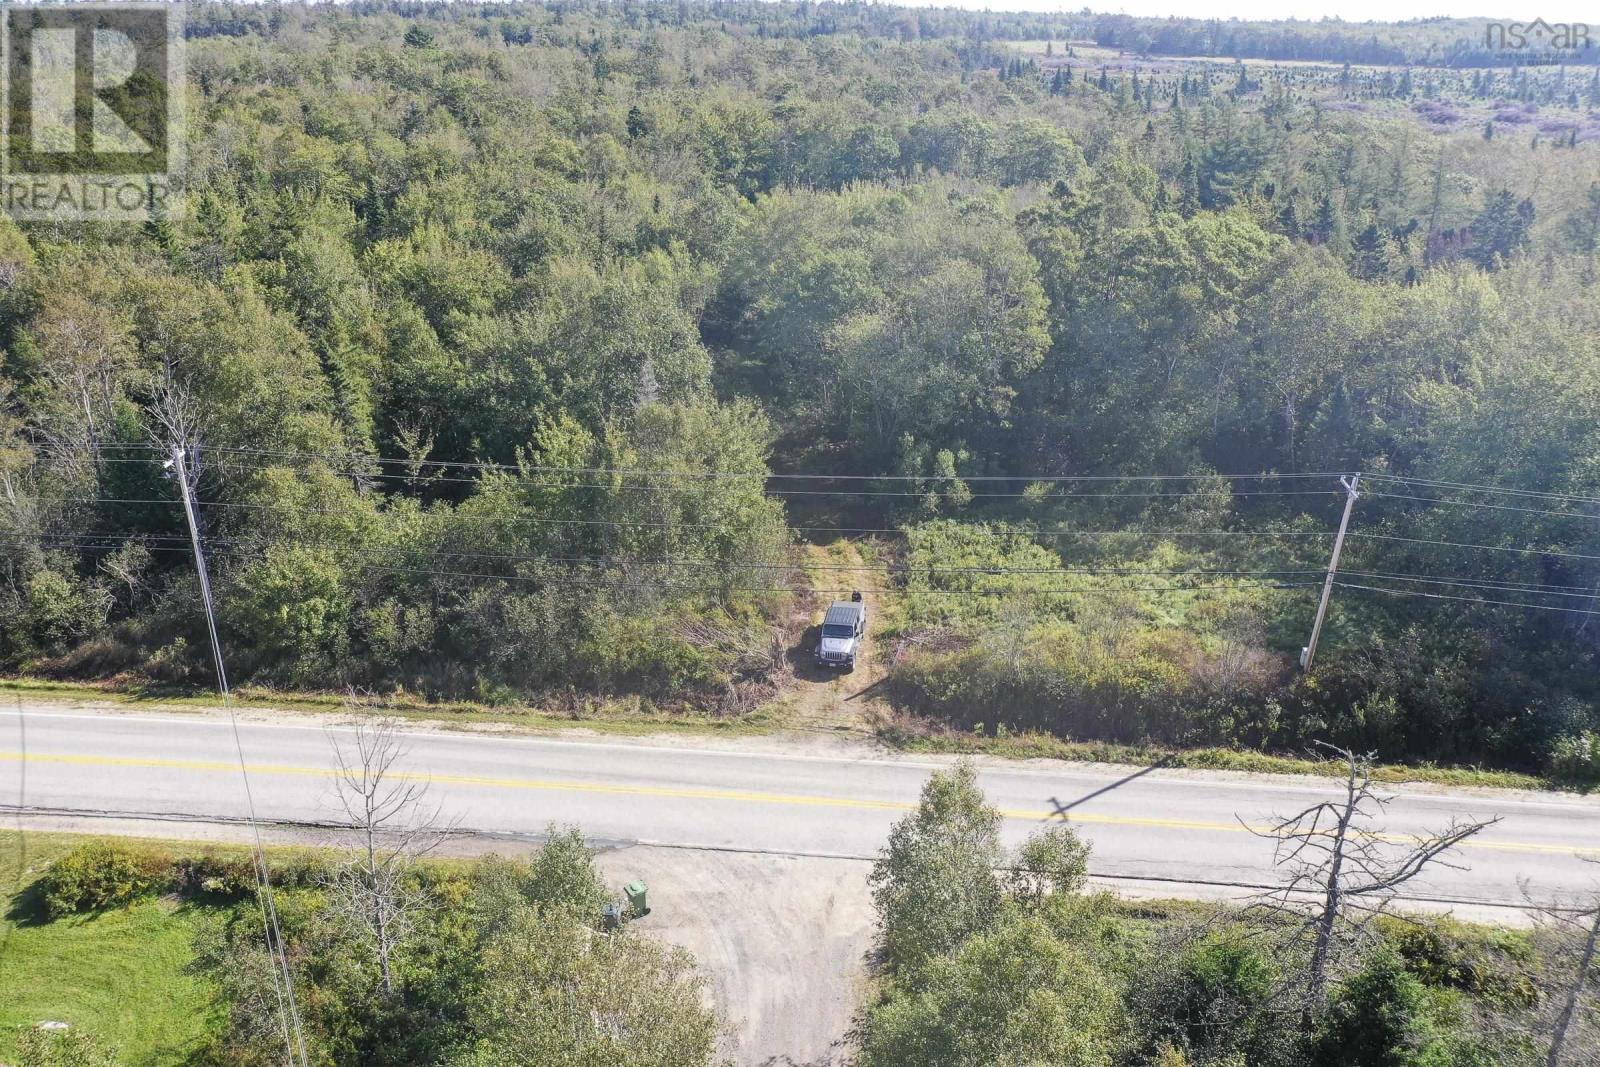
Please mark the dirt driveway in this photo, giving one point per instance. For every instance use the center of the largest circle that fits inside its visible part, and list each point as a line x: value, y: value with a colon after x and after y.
x: 782, y: 940
x: 823, y: 698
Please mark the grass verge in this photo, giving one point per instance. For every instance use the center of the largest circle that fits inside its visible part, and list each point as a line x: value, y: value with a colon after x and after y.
x: 619, y: 716
x: 911, y: 735
x: 119, y: 974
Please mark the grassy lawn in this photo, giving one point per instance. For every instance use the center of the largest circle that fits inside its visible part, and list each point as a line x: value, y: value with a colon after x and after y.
x: 118, y: 975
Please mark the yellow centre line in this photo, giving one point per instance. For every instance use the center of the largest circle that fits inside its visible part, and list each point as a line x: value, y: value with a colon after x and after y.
x: 738, y: 795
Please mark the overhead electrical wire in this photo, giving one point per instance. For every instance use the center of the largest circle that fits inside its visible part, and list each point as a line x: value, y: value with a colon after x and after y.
x: 516, y: 468
x: 602, y: 562
x: 908, y: 493
x: 1470, y: 487
x: 1031, y: 531
x: 918, y: 591
x: 1489, y: 585
x: 1466, y: 599
x: 734, y: 565
x: 761, y: 475
x: 289, y: 1011
x: 299, y: 509
x: 1532, y: 588
x: 1552, y: 553
x: 85, y: 540
x: 1440, y: 501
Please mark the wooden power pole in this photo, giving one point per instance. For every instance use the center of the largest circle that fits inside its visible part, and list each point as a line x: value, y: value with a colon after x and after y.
x: 282, y: 977
x: 1351, y: 492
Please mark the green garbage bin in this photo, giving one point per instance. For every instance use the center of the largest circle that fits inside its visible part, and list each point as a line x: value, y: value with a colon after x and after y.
x: 635, y: 891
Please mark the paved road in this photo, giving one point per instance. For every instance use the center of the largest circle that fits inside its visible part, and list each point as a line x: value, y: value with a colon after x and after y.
x: 1180, y: 826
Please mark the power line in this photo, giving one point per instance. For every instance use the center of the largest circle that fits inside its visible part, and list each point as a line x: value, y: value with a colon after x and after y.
x: 901, y: 531
x: 1024, y: 591
x: 698, y: 563
x: 22, y: 826
x: 996, y: 527
x: 695, y: 561
x: 727, y: 565
x: 903, y: 494
x: 1487, y: 548
x: 1492, y: 585
x: 1086, y: 496
x: 1482, y: 504
x: 1468, y: 599
x: 782, y: 476
x: 763, y: 475
x: 1470, y: 487
x: 1531, y: 588
x: 810, y: 476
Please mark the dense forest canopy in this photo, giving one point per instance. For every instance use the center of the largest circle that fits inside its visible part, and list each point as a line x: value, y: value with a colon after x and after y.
x: 494, y: 320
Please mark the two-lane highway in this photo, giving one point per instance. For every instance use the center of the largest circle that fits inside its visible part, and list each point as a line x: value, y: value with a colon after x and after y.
x: 1183, y: 826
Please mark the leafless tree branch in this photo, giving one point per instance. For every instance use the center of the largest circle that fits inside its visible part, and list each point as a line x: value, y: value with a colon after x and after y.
x: 394, y: 827
x: 1350, y: 871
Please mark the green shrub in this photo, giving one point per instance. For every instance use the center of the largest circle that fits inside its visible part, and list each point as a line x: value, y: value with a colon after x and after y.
x: 1386, y: 1016
x: 233, y: 874
x: 1494, y: 965
x: 1059, y: 683
x: 292, y: 605
x: 63, y: 608
x: 46, y: 608
x: 61, y: 1048
x: 228, y: 876
x: 934, y: 884
x: 1224, y: 966
x: 1013, y: 994
x: 1052, y: 861
x: 644, y: 655
x: 560, y: 877
x: 101, y: 874
x: 1208, y: 999
x: 1575, y: 758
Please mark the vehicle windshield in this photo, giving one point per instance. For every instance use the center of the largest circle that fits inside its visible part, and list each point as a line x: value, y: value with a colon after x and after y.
x: 838, y: 631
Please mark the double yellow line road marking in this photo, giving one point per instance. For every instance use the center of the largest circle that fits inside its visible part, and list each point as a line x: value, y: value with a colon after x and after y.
x: 733, y: 795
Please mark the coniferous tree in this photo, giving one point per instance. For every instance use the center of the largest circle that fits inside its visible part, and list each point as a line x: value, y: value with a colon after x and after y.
x: 1289, y: 218
x: 1189, y: 187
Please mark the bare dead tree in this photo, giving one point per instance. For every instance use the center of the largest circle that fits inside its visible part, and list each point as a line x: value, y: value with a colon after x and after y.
x: 19, y: 510
x: 127, y: 566
x: 174, y: 412
x: 1344, y: 871
x: 388, y: 811
x: 88, y: 358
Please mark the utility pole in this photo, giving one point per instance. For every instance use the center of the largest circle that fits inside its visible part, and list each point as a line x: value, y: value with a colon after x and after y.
x: 180, y: 470
x: 282, y: 979
x: 1351, y: 492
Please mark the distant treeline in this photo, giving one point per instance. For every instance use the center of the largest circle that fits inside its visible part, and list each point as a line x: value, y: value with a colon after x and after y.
x: 1425, y: 42
x: 1429, y: 42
